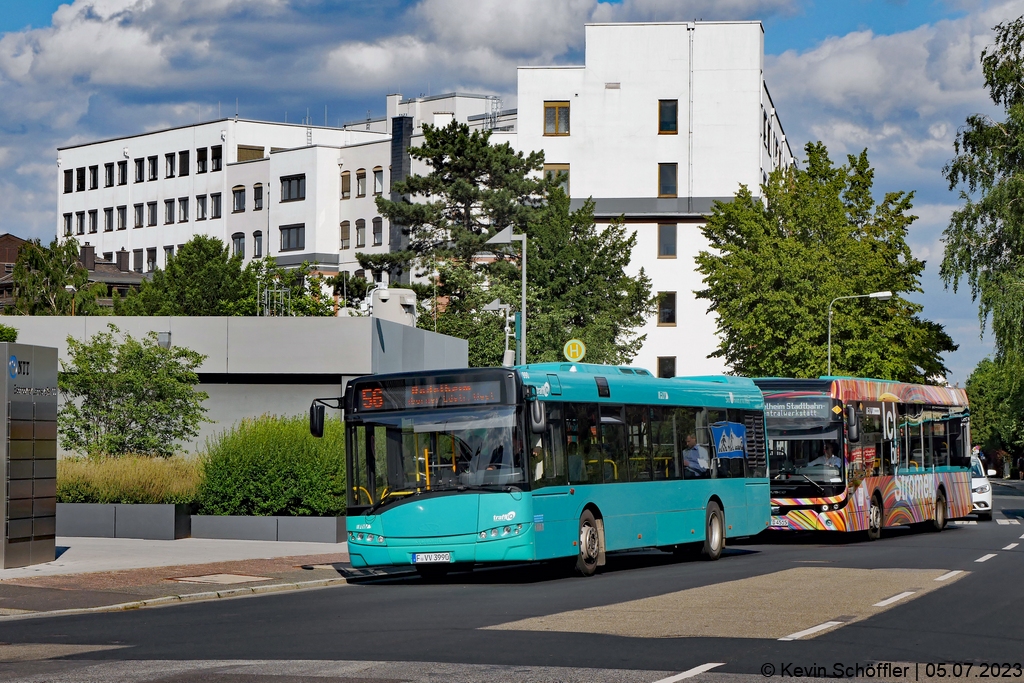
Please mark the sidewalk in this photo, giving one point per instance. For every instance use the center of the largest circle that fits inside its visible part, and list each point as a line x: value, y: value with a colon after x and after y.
x: 118, y: 573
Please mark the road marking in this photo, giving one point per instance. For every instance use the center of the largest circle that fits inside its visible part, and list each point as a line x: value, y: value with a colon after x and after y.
x: 895, y: 598
x: 949, y: 575
x: 1007, y: 522
x: 690, y: 673
x: 985, y: 558
x: 965, y: 522
x: 1022, y: 536
x: 814, y: 629
x: 1011, y: 546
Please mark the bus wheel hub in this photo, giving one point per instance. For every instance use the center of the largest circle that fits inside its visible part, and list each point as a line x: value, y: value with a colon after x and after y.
x: 588, y: 542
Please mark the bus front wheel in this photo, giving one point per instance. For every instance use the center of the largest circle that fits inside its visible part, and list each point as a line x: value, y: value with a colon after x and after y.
x: 875, y: 519
x: 714, y: 532
x: 589, y: 544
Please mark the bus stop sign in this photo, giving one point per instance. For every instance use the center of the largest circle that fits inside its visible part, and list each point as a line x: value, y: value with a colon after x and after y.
x: 574, y: 350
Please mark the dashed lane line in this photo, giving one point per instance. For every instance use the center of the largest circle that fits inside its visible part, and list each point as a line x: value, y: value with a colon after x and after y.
x: 895, y: 598
x: 965, y: 522
x: 1006, y: 522
x: 949, y: 575
x: 690, y: 673
x: 1011, y: 546
x: 985, y: 558
x: 812, y: 630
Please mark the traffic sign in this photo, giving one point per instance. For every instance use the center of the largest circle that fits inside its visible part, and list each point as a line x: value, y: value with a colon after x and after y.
x: 574, y: 350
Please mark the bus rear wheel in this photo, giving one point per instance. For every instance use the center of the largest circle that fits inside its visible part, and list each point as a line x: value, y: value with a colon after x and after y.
x: 875, y: 519
x: 714, y: 532
x: 589, y: 544
x: 939, y: 523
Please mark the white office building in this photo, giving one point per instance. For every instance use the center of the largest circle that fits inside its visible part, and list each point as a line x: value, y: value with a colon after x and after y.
x: 661, y: 120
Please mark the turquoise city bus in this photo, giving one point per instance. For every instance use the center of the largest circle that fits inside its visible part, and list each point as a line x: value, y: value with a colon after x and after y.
x: 538, y: 462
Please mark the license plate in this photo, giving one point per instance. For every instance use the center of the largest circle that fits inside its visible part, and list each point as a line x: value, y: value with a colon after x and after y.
x: 780, y: 521
x: 428, y: 558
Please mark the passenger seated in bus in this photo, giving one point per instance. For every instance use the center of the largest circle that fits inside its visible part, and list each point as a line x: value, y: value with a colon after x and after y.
x: 829, y: 458
x: 696, y: 462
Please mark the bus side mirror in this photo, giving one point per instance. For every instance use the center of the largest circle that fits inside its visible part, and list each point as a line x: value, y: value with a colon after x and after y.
x: 316, y: 419
x: 852, y: 424
x: 538, y: 417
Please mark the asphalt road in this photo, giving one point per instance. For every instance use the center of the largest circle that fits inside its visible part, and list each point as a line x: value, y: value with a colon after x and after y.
x: 646, y: 617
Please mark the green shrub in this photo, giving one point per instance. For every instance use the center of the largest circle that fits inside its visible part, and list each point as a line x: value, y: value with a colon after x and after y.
x: 8, y: 333
x: 273, y: 466
x: 129, y: 479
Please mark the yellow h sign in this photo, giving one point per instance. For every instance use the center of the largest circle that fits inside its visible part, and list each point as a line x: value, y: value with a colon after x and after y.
x: 574, y: 350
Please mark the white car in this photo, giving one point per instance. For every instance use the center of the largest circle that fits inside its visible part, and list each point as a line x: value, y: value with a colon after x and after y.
x: 981, y: 490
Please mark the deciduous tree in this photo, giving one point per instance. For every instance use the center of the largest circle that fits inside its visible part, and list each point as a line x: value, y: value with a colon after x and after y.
x: 51, y: 281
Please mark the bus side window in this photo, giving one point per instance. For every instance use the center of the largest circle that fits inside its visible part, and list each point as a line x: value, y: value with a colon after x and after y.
x: 638, y: 434
x: 933, y: 434
x: 581, y: 436
x: 719, y: 468
x: 612, y: 462
x: 547, y: 453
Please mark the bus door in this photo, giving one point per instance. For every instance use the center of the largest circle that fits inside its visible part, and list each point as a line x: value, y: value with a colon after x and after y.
x: 554, y: 518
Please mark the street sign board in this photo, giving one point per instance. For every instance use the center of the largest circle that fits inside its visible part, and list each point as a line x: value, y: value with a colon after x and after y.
x: 574, y: 350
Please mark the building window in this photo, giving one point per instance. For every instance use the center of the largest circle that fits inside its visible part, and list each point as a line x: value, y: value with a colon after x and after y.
x: 667, y: 180
x: 257, y: 242
x: 346, y: 234
x: 666, y: 366
x: 122, y: 217
x: 248, y: 153
x: 69, y: 181
x: 80, y: 179
x: 168, y: 211
x: 108, y: 219
x: 293, y: 188
x: 238, y: 199
x: 67, y: 225
x: 560, y: 172
x: 215, y: 205
x: 183, y: 162
x: 108, y: 175
x: 80, y: 223
x: 378, y: 232
x: 168, y: 253
x: 293, y: 237
x: 667, y: 309
x: 201, y: 160
x: 169, y: 165
x: 140, y: 215
x: 667, y: 240
x: 94, y: 221
x: 346, y: 184
x: 151, y: 213
x: 201, y: 207
x: 140, y: 170
x: 378, y: 181
x: 238, y: 244
x: 150, y: 259
x: 137, y: 260
x: 257, y: 197
x: 94, y: 177
x: 151, y: 162
x: 122, y: 172
x: 556, y: 118
x: 668, y: 117
x: 215, y: 160
x: 108, y: 256
x: 183, y: 209
x: 360, y: 233
x: 361, y: 182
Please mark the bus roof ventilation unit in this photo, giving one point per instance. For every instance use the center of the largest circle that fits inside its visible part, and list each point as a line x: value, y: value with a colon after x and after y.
x: 626, y: 371
x: 602, y: 387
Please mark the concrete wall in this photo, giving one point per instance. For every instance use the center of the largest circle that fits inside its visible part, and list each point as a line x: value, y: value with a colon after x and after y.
x: 256, y: 366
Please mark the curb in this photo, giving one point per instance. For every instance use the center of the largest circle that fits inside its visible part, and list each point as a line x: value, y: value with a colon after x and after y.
x: 187, y: 597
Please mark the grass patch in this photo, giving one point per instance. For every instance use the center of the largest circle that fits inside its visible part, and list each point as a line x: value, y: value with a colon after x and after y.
x: 128, y: 479
x: 272, y: 466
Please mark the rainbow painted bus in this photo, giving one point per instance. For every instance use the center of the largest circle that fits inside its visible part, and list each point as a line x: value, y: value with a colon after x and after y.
x: 861, y: 455
x: 539, y: 462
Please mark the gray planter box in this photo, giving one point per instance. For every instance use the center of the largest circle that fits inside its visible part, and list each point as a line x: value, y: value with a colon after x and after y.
x: 160, y: 522
x: 307, y: 529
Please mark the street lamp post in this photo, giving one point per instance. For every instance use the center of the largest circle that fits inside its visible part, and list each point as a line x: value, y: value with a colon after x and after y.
x: 881, y: 296
x: 506, y: 237
x: 71, y: 289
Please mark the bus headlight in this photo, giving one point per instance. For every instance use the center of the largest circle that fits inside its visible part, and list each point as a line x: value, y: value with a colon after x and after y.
x: 824, y: 508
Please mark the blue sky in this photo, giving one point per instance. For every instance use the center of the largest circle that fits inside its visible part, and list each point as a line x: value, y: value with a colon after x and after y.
x: 896, y: 77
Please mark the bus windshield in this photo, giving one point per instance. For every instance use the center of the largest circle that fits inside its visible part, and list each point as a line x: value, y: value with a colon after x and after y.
x: 398, y: 453
x: 815, y: 457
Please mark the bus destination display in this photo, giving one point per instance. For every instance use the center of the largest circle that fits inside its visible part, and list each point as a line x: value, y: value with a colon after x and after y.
x: 797, y: 407
x: 442, y: 395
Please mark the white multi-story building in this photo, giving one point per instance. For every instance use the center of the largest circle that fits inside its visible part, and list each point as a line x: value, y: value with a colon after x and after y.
x: 661, y: 120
